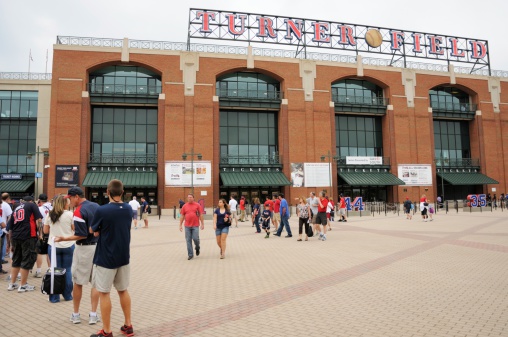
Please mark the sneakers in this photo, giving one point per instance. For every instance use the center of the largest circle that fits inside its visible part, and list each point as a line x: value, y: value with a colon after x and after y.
x: 101, y: 333
x: 127, y: 330
x: 197, y: 251
x: 323, y: 238
x: 320, y: 236
x: 38, y: 274
x: 289, y: 236
x: 93, y: 319
x: 76, y: 319
x: 12, y: 286
x: 26, y: 288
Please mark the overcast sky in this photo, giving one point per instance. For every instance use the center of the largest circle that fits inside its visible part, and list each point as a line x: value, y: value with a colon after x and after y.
x: 34, y: 24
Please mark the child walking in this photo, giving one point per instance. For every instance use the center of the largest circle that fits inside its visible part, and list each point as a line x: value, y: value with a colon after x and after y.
x: 265, y: 217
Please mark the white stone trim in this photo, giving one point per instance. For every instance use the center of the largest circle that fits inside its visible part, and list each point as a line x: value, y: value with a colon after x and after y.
x: 189, y: 64
x: 85, y: 94
x: 308, y: 74
x: 495, y: 92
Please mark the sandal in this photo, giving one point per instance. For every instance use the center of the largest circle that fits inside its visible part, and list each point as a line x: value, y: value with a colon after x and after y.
x: 299, y: 240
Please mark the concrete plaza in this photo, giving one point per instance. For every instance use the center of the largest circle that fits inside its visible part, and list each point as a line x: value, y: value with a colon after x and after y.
x: 374, y: 276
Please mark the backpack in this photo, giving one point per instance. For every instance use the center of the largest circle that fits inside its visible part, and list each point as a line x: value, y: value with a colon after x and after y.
x: 149, y: 210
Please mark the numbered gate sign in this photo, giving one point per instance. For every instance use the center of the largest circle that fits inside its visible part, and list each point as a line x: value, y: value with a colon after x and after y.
x: 476, y: 200
x: 357, y: 205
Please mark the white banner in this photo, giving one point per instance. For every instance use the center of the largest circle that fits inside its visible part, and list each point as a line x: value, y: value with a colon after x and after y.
x: 178, y: 173
x: 416, y: 175
x: 317, y: 174
x: 364, y: 160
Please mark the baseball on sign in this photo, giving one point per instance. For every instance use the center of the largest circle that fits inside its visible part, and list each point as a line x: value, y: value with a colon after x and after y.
x: 373, y: 38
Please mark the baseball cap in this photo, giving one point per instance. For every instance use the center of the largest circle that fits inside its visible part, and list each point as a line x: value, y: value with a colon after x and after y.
x: 43, y: 197
x: 28, y: 198
x: 75, y: 190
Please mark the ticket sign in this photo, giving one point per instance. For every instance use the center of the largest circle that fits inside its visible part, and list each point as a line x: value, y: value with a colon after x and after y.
x: 476, y: 200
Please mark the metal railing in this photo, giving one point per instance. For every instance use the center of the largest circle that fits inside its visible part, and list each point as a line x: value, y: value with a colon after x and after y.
x: 453, y: 107
x: 125, y: 159
x: 462, y: 162
x: 25, y: 76
x: 253, y: 94
x: 360, y: 100
x: 385, y: 161
x: 283, y: 53
x: 121, y: 89
x: 255, y: 160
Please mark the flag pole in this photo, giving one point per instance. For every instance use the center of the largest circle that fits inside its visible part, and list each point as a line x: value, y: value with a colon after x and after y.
x: 46, y: 71
x: 29, y: 59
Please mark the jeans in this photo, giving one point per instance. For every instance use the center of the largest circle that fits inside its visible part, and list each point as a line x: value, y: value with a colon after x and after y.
x: 63, y: 260
x: 256, y: 222
x: 4, y: 247
x: 192, y: 234
x: 284, y: 219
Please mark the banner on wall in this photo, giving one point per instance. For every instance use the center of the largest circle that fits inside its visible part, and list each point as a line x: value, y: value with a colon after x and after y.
x: 66, y: 175
x: 415, y: 175
x: 179, y: 173
x: 297, y: 175
x: 317, y: 174
x: 359, y: 160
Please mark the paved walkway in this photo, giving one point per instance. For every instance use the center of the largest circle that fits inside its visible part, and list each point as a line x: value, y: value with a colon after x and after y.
x: 374, y: 276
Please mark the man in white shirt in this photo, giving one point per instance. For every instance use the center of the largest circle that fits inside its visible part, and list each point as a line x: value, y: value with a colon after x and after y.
x: 135, y: 206
x: 232, y: 208
x: 44, y: 208
x: 5, y: 213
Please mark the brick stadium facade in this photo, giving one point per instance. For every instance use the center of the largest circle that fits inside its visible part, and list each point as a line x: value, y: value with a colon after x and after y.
x: 189, y: 102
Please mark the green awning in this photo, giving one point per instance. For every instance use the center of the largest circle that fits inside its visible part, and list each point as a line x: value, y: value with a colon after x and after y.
x: 15, y: 185
x: 129, y: 179
x: 467, y: 178
x: 370, y: 178
x: 254, y: 179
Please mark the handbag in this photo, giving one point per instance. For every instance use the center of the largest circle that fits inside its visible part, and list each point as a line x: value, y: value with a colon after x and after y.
x: 310, y: 232
x: 42, y: 245
x: 425, y: 204
x: 53, y: 282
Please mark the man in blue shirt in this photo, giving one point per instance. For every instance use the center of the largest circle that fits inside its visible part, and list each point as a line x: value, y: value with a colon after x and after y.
x: 112, y: 225
x: 284, y: 217
x: 144, y: 211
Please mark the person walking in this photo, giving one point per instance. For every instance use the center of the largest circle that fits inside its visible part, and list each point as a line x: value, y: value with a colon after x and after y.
x: 82, y: 260
x: 256, y: 213
x: 221, y: 224
x: 232, y: 208
x: 5, y: 213
x: 23, y: 224
x: 265, y: 219
x: 192, y: 214
x: 303, y: 212
x: 135, y: 207
x: 407, y: 209
x: 423, y: 207
x: 284, y: 217
x: 59, y: 223
x: 242, y: 209
x: 321, y: 215
x: 112, y: 225
x: 144, y: 211
x: 330, y: 212
x: 276, y: 213
x: 342, y: 209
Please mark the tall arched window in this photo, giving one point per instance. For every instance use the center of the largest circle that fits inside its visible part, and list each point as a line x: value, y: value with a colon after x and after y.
x: 450, y: 99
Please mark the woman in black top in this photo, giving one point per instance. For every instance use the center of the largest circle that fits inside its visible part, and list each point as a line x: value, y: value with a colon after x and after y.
x: 221, y: 223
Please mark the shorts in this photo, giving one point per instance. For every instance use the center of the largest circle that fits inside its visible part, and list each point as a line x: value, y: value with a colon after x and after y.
x: 328, y: 215
x: 223, y: 230
x: 321, y: 218
x: 24, y: 255
x: 265, y: 224
x: 276, y: 217
x: 424, y: 211
x: 134, y: 215
x: 104, y: 278
x: 342, y: 211
x: 82, y: 264
x: 234, y: 215
x: 407, y: 210
x: 144, y: 216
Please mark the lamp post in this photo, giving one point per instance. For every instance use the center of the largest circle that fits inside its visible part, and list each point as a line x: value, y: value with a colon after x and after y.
x: 330, y: 159
x: 29, y: 155
x: 191, y: 155
x: 441, y: 159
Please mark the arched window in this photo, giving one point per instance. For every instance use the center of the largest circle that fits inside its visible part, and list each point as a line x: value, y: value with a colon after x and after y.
x: 125, y: 80
x: 357, y: 92
x: 450, y: 99
x: 248, y: 85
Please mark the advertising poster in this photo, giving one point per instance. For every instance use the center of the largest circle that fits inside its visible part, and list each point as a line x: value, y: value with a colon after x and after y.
x: 66, y: 175
x: 416, y: 175
x: 297, y: 175
x: 364, y: 160
x: 317, y: 174
x: 180, y: 173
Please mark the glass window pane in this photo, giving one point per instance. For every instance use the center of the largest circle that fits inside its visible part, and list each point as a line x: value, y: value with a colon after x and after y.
x: 253, y: 150
x: 361, y: 138
x: 97, y: 133
x: 343, y: 140
x: 263, y: 150
x: 352, y: 138
x: 263, y: 136
x: 369, y: 124
x: 263, y: 119
x: 130, y: 133
x: 141, y: 133
x: 151, y: 116
x: 130, y: 116
x: 253, y: 120
x: 119, y: 133
x: 272, y: 140
x: 97, y: 115
x: 151, y: 131
x: 223, y: 118
x: 253, y: 136
x: 140, y: 116
x: 107, y: 115
x: 223, y: 135
x: 271, y: 120
x: 243, y: 150
x: 369, y: 139
x: 233, y: 118
x: 107, y: 148
x: 107, y: 132
x: 243, y: 134
x: 233, y: 150
x: 243, y: 119
x: 119, y: 116
x: 14, y: 109
x: 360, y: 123
x: 233, y: 136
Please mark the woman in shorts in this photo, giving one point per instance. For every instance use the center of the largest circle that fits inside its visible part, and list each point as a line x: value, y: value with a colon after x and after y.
x: 221, y: 223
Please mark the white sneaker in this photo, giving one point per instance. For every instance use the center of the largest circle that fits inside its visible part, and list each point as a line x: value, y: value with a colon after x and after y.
x: 26, y: 288
x: 12, y: 286
x: 38, y: 274
x: 75, y: 319
x: 93, y: 319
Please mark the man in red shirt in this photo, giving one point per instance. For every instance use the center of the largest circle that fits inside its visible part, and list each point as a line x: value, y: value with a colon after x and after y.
x: 192, y: 214
x: 276, y: 211
x: 342, y: 209
x: 269, y: 204
x: 321, y: 215
x: 242, y: 209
